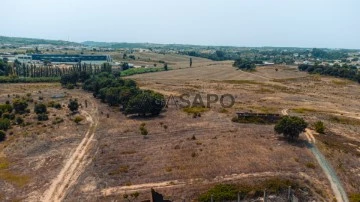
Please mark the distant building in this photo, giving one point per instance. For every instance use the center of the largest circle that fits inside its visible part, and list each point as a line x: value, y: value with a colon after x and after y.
x: 23, y: 58
x: 72, y: 59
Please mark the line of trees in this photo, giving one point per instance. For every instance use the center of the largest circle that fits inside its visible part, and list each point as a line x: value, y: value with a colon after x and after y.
x: 125, y: 93
x: 33, y: 71
x: 246, y: 64
x: 344, y: 71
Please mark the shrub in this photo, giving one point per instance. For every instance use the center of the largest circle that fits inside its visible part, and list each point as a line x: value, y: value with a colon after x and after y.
x: 4, y: 124
x: 144, y: 132
x: 20, y: 106
x: 310, y: 165
x: 319, y: 127
x: 221, y: 192
x: 244, y: 64
x: 70, y: 86
x: 2, y: 135
x: 57, y: 106
x: 40, y: 108
x: 6, y: 108
x: 78, y: 119
x: 73, y: 105
x: 19, y: 120
x: 195, y: 110
x: 42, y: 117
x: 8, y: 116
x: 57, y: 120
x: 54, y: 104
x: 354, y: 197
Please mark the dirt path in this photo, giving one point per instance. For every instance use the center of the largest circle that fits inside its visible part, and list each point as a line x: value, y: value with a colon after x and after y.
x: 335, y: 183
x: 74, y: 166
x: 181, y: 183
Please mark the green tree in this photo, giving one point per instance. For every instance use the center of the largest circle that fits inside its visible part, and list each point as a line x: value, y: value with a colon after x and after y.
x: 244, y: 64
x: 40, y: 108
x: 290, y: 127
x: 146, y: 102
x: 70, y: 78
x: 83, y: 76
x: 20, y: 106
x: 125, y: 66
x: 73, y: 105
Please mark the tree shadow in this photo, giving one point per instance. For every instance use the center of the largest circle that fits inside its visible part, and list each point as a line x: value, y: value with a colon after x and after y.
x: 146, y: 117
x: 295, y: 142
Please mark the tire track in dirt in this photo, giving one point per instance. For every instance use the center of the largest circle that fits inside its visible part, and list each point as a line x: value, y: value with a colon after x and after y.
x: 335, y: 183
x: 74, y: 165
x: 181, y: 183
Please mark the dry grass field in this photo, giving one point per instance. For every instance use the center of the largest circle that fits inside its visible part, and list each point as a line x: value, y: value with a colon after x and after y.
x: 183, y: 156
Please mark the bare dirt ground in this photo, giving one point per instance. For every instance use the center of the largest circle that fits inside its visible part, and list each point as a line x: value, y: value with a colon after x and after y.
x: 75, y: 164
x: 33, y: 155
x: 174, y: 61
x: 184, y: 156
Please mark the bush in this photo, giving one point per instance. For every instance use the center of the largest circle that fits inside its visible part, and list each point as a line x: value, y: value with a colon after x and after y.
x: 19, y: 120
x: 2, y: 135
x: 4, y: 124
x: 8, y: 116
x: 143, y: 130
x: 70, y: 86
x: 54, y: 104
x: 354, y: 197
x: 195, y: 110
x: 6, y: 108
x: 134, y: 71
x: 221, y: 192
x: 319, y: 127
x: 20, y: 106
x: 244, y: 64
x: 73, y: 105
x: 310, y: 165
x: 7, y: 79
x: 78, y: 119
x: 40, y: 108
x: 57, y: 120
x: 42, y: 117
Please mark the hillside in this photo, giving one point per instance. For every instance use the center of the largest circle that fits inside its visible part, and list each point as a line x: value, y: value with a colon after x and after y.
x: 17, y: 41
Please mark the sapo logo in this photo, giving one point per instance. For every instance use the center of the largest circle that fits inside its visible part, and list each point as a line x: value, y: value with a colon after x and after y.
x: 185, y: 100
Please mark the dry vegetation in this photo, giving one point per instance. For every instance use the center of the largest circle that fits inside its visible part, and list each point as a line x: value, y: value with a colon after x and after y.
x: 188, y: 154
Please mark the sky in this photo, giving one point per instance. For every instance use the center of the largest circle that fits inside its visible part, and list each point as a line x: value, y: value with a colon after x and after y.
x: 250, y: 23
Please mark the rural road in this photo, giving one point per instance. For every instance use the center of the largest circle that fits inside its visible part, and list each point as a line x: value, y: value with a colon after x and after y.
x: 181, y: 183
x: 74, y: 165
x: 336, y: 186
